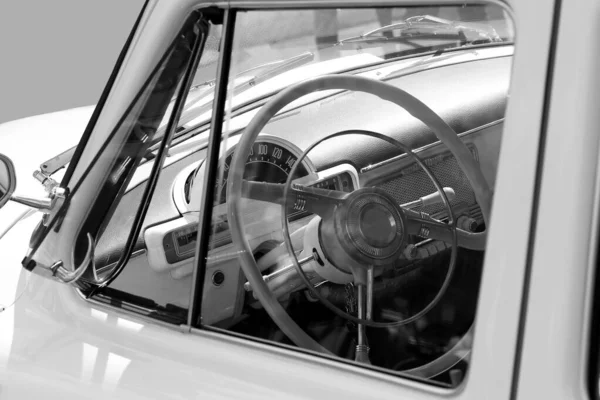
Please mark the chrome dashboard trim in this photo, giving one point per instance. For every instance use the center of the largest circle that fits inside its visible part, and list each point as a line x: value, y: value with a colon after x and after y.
x: 330, y: 172
x: 372, y: 167
x: 178, y: 186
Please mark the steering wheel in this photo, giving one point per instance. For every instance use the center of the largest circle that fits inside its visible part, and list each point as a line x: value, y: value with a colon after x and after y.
x: 353, y: 246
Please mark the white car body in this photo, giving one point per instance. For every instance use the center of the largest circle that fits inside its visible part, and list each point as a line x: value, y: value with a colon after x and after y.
x: 534, y: 311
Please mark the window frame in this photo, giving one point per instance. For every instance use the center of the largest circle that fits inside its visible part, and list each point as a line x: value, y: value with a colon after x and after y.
x: 199, y: 267
x: 211, y: 171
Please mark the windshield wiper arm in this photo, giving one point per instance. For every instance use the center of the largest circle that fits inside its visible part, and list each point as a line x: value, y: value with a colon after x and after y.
x: 427, y: 25
x: 280, y: 64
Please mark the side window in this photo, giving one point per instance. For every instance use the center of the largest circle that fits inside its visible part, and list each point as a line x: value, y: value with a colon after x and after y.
x: 357, y: 163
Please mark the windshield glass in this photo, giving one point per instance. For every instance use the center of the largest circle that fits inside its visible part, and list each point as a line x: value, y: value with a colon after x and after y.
x: 319, y: 42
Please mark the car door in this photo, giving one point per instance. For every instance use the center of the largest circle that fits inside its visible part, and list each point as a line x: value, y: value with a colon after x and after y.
x: 208, y: 361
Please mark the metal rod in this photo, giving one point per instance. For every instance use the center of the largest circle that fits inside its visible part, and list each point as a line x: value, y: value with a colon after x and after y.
x: 281, y: 271
x: 43, y: 205
x: 362, y: 347
x: 212, y: 160
x: 431, y: 199
x: 365, y: 311
x: 369, y: 311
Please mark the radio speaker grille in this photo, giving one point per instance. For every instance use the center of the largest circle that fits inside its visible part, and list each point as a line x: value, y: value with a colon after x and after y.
x: 412, y: 182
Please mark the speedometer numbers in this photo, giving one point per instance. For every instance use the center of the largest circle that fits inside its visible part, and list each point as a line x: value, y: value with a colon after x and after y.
x: 267, y: 162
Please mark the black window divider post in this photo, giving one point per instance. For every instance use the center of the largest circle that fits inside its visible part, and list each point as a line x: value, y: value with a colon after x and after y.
x: 211, y: 162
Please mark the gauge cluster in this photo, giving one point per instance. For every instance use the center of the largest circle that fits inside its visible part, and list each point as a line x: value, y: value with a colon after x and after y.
x: 270, y: 160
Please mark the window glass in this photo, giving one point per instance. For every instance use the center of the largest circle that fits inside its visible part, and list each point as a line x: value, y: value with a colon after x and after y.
x: 338, y: 187
x: 341, y: 223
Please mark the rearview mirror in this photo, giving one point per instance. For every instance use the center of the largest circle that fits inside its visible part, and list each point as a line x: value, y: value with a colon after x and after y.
x: 8, y: 179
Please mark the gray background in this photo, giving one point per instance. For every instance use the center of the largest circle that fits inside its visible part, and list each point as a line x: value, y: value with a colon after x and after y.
x: 58, y: 54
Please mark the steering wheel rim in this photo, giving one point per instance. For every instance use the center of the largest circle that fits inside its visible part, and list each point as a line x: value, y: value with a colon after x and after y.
x: 412, y: 105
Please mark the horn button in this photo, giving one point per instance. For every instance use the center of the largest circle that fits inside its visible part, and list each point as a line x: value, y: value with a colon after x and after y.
x: 369, y: 226
x: 377, y: 225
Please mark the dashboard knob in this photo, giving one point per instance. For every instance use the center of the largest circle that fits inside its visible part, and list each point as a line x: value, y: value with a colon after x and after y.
x: 467, y: 223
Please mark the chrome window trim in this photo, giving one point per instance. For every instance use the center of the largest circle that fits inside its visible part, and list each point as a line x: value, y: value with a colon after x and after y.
x: 303, y: 355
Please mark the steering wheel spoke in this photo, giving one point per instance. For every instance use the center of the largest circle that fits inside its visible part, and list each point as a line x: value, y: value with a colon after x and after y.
x: 299, y: 198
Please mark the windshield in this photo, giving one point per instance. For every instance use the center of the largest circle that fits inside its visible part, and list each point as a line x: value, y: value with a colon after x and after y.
x: 319, y: 42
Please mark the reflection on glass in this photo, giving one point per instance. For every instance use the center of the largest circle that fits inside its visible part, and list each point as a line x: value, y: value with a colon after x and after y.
x: 371, y: 231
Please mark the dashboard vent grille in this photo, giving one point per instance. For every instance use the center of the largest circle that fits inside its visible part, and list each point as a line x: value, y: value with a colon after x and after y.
x: 412, y: 182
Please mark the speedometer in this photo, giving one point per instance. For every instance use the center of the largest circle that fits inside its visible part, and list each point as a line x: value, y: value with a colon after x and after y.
x: 270, y: 160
